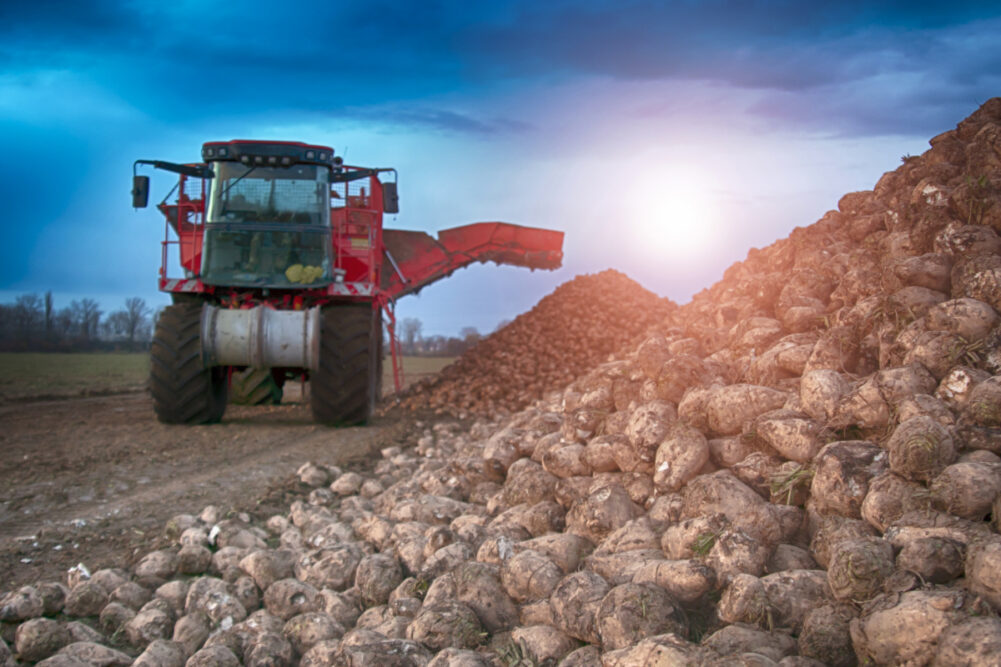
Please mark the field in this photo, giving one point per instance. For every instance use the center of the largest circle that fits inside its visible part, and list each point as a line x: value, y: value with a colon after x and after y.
x: 56, y: 375
x: 414, y: 370
x: 94, y: 476
x: 26, y: 376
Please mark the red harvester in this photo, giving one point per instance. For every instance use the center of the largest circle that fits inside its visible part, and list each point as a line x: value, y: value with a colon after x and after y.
x: 288, y: 272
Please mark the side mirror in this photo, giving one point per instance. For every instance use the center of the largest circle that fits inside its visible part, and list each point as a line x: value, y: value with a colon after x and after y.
x: 390, y: 198
x: 140, y: 191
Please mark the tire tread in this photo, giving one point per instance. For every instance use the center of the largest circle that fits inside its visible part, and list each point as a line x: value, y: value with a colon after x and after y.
x: 343, y: 388
x: 184, y: 390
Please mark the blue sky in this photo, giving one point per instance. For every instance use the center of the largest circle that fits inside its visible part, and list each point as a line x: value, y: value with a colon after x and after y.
x: 664, y: 138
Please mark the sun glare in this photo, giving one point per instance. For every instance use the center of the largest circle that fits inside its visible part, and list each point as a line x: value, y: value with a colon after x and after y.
x: 674, y: 217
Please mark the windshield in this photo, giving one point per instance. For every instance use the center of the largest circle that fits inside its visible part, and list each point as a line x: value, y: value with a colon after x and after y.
x: 245, y: 193
x: 268, y: 226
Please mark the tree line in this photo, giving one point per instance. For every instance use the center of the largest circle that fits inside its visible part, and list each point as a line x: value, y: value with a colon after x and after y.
x: 413, y: 343
x: 33, y: 323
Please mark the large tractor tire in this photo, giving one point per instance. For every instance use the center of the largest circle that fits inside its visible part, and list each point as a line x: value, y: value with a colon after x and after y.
x: 254, y: 386
x: 345, y: 387
x: 184, y: 390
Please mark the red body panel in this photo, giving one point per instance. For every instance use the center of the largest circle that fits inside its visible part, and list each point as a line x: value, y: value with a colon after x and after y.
x: 370, y: 264
x: 373, y: 263
x: 421, y: 260
x: 186, y: 217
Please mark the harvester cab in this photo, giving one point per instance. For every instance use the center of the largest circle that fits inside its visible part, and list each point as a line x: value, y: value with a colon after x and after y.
x: 287, y: 271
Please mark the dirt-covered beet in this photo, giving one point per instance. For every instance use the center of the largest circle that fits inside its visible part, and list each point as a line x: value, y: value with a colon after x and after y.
x: 905, y: 627
x: 858, y: 568
x: 575, y: 603
x: 633, y: 611
x: 446, y: 625
x: 825, y: 635
x: 920, y: 448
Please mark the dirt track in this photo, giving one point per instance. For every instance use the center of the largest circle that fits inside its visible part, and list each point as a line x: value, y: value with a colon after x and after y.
x: 94, y: 479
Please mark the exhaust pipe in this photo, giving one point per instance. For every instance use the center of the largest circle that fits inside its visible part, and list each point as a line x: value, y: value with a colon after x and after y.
x: 261, y: 337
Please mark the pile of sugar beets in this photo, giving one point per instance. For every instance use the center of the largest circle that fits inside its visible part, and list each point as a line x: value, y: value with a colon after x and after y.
x: 799, y: 467
x: 566, y: 334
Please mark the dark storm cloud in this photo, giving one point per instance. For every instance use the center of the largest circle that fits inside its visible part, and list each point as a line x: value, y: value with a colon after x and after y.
x: 655, y: 39
x: 47, y: 23
x: 248, y: 60
x: 448, y: 121
x: 183, y: 61
x: 853, y: 68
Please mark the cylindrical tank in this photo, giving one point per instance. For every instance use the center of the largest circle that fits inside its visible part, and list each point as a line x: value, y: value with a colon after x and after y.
x: 261, y: 337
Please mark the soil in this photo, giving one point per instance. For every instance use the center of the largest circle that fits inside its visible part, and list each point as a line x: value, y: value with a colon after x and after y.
x: 95, y: 479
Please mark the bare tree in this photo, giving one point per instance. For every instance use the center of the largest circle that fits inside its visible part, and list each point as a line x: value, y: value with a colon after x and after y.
x: 27, y: 316
x: 136, y: 311
x: 411, y: 333
x: 116, y: 324
x: 6, y: 320
x: 64, y: 322
x: 48, y: 315
x: 87, y: 316
x: 434, y: 344
x: 469, y: 335
x: 130, y: 322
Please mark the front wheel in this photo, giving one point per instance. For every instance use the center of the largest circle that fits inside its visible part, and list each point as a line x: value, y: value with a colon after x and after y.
x: 344, y: 388
x: 184, y: 390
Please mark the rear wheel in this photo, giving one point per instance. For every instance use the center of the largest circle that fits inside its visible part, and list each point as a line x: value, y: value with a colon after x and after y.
x: 254, y: 386
x: 344, y: 389
x: 184, y: 390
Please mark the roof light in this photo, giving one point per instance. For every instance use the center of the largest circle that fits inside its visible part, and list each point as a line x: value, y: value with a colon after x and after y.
x: 222, y: 151
x: 245, y: 159
x: 286, y: 160
x: 310, y: 155
x: 209, y: 152
x: 258, y: 159
x: 323, y: 155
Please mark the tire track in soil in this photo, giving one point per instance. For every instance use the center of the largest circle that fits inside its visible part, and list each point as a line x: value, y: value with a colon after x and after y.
x: 94, y: 479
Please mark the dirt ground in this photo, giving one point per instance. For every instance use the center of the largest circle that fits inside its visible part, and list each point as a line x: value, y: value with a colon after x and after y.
x: 93, y: 480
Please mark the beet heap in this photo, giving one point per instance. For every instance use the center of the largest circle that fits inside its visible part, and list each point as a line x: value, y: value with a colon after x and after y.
x: 800, y: 467
x: 565, y: 335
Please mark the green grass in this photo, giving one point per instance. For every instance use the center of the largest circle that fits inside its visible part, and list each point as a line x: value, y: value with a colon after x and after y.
x: 31, y: 374
x: 26, y: 375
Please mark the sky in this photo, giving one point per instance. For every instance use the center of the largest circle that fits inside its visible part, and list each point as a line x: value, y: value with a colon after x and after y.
x: 665, y: 139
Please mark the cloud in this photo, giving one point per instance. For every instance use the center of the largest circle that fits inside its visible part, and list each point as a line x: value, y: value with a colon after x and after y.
x: 784, y: 44
x: 435, y: 119
x: 849, y: 68
x: 814, y: 63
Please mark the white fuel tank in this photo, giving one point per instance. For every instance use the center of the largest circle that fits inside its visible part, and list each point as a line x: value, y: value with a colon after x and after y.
x: 261, y: 337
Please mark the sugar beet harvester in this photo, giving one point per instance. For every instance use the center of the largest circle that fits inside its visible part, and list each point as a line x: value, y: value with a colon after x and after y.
x: 288, y: 272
